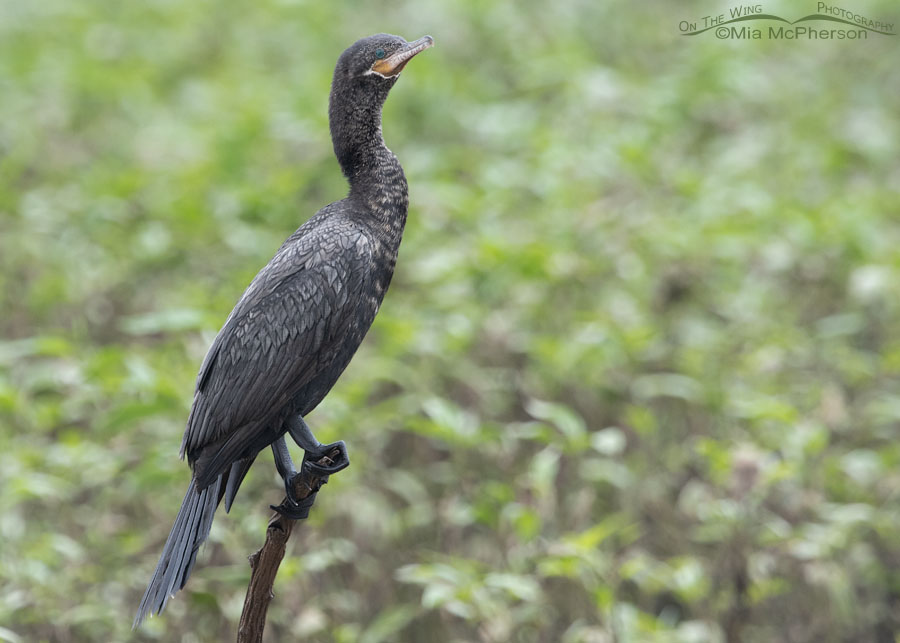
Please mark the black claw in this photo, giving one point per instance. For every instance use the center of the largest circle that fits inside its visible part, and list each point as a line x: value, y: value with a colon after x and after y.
x: 338, y: 462
x: 289, y: 494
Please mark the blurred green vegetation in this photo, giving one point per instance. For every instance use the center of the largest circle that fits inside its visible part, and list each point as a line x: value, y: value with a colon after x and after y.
x: 636, y: 379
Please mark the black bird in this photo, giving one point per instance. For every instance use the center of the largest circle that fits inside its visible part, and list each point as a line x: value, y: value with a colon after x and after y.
x: 300, y: 321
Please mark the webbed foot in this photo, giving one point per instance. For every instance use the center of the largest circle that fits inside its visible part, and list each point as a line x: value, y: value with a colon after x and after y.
x: 327, y: 459
x: 293, y: 507
x: 319, y: 462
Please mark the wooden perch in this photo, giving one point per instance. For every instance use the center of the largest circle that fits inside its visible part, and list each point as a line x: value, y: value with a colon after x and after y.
x: 265, y: 562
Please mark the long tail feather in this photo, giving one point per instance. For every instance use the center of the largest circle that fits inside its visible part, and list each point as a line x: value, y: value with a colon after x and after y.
x: 235, y: 477
x: 190, y: 530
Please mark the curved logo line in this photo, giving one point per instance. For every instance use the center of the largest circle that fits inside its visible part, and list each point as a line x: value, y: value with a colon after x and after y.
x: 767, y: 16
x: 821, y: 16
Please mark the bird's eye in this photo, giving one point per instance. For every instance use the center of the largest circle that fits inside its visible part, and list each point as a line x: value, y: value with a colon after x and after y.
x: 379, y: 53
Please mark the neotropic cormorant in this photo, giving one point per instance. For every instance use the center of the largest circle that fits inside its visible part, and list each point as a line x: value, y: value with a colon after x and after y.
x: 300, y: 321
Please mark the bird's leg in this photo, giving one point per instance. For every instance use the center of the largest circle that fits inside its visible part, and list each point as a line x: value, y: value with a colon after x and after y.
x: 285, y: 467
x: 291, y: 507
x: 315, y: 450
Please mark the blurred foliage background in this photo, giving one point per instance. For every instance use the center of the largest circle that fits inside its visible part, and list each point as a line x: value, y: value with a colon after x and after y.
x: 636, y: 378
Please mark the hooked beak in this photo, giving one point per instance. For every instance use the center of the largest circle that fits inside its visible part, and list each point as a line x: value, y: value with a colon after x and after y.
x: 394, y: 64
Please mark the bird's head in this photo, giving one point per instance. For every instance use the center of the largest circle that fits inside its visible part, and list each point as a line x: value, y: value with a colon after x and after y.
x: 378, y: 59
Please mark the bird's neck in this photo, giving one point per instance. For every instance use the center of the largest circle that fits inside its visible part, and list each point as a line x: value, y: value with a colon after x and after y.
x: 376, y: 178
x: 381, y: 188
